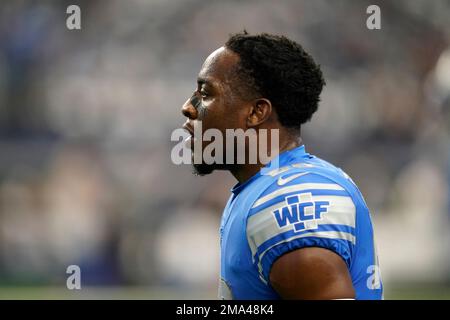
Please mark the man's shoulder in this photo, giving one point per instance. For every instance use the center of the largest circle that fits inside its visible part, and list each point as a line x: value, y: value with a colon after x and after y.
x: 304, y: 204
x: 315, y: 174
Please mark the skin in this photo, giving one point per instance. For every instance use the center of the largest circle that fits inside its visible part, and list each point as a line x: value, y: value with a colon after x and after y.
x: 311, y: 273
x: 227, y: 110
x: 307, y: 273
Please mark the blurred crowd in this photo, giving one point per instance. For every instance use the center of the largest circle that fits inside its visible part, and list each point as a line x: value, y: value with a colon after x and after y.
x: 86, y: 116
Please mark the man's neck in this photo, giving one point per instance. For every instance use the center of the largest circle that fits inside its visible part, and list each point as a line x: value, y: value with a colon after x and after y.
x: 244, y: 172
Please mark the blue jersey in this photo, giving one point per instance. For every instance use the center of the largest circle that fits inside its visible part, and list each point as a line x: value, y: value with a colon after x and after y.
x: 304, y: 202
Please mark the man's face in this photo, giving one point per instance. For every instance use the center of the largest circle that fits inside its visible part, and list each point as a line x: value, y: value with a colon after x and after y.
x: 215, y: 103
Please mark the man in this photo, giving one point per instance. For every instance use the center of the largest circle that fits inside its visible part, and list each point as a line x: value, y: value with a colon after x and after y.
x: 301, y: 230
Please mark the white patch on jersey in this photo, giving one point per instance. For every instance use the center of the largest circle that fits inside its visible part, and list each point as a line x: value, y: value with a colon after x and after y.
x: 297, y: 187
x: 262, y: 226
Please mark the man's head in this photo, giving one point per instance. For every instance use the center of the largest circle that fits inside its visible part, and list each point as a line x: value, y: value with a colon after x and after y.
x: 254, y: 82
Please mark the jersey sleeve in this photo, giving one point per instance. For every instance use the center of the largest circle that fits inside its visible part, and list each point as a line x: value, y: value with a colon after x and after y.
x: 297, y: 211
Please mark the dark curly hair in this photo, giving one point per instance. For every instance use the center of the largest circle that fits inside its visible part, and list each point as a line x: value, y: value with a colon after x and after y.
x: 280, y: 70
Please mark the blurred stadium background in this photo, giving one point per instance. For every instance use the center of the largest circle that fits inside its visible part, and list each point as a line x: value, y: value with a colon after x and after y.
x: 86, y: 117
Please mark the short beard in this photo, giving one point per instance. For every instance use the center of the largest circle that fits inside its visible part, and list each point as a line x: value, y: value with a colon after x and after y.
x: 202, y: 169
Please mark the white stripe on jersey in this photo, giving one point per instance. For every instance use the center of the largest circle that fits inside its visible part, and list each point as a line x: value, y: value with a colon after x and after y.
x: 297, y: 187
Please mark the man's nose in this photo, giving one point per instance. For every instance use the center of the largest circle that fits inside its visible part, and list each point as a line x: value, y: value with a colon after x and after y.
x: 188, y: 110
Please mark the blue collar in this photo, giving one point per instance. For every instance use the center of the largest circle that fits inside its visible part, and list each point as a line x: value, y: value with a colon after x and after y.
x: 284, y: 159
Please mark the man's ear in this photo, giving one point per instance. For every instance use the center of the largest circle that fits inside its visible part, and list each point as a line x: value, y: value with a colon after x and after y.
x: 260, y: 112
